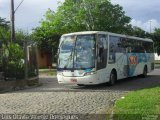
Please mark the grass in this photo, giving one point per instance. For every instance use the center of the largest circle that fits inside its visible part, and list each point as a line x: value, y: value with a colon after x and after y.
x: 157, y: 63
x: 138, y: 105
x: 48, y: 72
x: 157, y: 66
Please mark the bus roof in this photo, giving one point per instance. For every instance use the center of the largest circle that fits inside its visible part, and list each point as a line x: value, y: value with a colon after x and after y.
x: 109, y: 33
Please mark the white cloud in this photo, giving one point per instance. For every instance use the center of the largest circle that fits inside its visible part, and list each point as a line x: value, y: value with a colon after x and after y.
x: 29, y: 13
x: 3, y: 2
x: 141, y: 11
x: 148, y: 25
x: 32, y: 11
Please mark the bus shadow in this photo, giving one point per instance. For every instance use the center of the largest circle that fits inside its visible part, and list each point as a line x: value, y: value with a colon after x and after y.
x: 128, y: 84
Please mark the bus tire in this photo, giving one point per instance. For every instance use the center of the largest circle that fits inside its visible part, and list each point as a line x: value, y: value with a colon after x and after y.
x: 113, y: 78
x: 144, y: 72
x: 80, y: 84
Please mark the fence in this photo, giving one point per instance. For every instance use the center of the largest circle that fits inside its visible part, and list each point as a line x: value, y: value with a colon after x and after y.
x: 18, y: 63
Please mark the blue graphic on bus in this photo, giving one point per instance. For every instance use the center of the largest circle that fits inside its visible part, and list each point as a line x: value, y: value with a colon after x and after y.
x: 88, y: 70
x: 134, y: 59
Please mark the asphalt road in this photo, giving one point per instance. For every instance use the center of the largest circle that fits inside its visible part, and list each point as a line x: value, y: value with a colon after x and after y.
x: 52, y: 98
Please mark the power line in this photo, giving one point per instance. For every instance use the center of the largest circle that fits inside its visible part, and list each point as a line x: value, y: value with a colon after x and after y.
x: 18, y: 6
x: 150, y: 21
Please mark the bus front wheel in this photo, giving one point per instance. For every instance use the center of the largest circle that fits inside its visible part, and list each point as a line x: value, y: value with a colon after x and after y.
x: 112, y: 78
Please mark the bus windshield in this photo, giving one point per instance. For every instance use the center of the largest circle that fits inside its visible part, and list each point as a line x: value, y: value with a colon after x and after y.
x: 77, y: 52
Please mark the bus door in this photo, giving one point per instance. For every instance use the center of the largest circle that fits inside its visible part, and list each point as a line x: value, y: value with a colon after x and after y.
x: 102, y: 47
x: 118, y: 55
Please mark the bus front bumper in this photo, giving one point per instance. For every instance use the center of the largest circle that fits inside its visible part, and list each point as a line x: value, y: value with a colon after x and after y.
x: 85, y: 80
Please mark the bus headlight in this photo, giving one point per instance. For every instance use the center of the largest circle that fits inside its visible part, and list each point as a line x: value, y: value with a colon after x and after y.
x: 90, y: 73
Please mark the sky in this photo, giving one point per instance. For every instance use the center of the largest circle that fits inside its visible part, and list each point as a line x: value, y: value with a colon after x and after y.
x: 29, y: 14
x: 144, y: 13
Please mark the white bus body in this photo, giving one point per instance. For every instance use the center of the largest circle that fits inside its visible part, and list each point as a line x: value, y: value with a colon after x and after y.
x: 95, y: 57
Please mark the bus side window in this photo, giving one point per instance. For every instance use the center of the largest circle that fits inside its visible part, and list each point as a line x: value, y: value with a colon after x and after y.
x: 113, y: 46
x: 129, y: 49
x: 148, y: 46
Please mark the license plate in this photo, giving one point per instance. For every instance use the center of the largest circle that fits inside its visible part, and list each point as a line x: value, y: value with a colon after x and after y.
x: 73, y: 80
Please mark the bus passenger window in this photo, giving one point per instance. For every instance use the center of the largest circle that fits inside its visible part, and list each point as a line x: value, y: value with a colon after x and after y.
x: 129, y: 49
x: 113, y: 45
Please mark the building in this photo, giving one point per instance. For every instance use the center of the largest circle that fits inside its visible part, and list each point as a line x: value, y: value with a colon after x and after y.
x: 44, y: 59
x: 157, y: 57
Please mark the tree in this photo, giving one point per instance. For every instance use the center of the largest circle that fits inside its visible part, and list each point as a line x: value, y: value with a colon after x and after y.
x: 138, y: 32
x: 156, y: 38
x: 11, y: 54
x: 12, y: 64
x: 4, y: 30
x: 4, y: 23
x: 80, y: 15
x: 21, y: 36
x: 46, y: 40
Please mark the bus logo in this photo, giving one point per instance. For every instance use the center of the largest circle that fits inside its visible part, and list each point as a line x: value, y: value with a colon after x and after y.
x: 133, y: 60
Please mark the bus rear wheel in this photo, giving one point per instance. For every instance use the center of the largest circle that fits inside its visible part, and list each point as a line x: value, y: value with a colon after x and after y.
x: 112, y: 78
x: 144, y: 72
x: 80, y: 84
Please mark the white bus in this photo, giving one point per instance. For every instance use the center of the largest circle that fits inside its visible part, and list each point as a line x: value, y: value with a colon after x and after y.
x: 94, y: 57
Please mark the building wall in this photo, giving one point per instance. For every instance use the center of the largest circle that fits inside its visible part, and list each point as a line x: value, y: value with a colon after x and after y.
x: 44, y: 60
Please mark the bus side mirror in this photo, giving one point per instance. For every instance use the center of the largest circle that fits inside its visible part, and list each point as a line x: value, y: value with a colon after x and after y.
x: 57, y: 54
x: 58, y: 51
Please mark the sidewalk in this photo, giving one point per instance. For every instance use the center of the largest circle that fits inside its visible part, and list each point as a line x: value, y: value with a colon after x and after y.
x: 47, y: 73
x: 46, y: 76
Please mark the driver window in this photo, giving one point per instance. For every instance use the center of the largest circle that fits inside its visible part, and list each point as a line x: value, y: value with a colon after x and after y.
x: 102, y: 51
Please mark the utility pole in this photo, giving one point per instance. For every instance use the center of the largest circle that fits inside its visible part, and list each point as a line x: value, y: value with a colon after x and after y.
x: 25, y: 61
x: 150, y: 26
x: 12, y: 22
